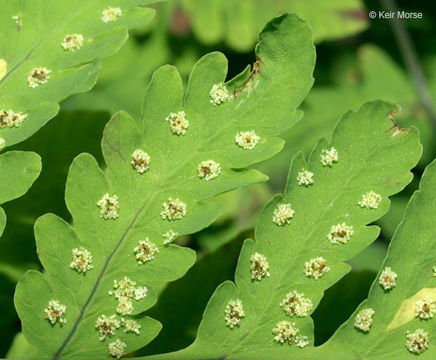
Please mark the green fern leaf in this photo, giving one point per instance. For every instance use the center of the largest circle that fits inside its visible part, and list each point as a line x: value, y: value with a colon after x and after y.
x: 74, y: 132
x: 18, y: 171
x: 299, y: 250
x: 237, y: 22
x: 379, y: 77
x: 128, y: 72
x: 50, y: 50
x: 19, y: 347
x: 401, y: 309
x: 143, y: 210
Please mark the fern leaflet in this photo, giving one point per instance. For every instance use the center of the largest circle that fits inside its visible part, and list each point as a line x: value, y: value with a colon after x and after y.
x: 18, y: 171
x: 402, y: 324
x: 100, y: 270
x: 303, y: 239
x: 51, y: 49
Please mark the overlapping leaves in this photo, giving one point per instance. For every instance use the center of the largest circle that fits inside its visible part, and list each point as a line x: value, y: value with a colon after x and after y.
x: 373, y: 155
x: 285, y: 63
x: 411, y: 256
x: 373, y: 74
x: 235, y: 22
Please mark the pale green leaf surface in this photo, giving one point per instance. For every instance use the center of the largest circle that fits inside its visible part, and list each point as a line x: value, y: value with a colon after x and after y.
x: 18, y: 170
x: 125, y: 73
x: 70, y: 134
x: 181, y: 304
x: 128, y: 71
x: 36, y: 42
x: 237, y: 22
x: 411, y: 255
x: 287, y: 59
x: 366, y: 147
x: 19, y: 347
x: 375, y: 76
x: 2, y: 220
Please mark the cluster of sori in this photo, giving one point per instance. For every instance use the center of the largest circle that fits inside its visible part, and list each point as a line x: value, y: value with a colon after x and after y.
x: 39, y: 75
x: 417, y: 341
x: 424, y: 309
x: 340, y: 233
x: 295, y: 304
x: 11, y: 119
x: 125, y: 291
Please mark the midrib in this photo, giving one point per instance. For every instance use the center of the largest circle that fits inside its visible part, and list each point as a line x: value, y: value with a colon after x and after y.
x: 152, y: 195
x: 292, y: 262
x: 77, y: 15
x: 100, y: 276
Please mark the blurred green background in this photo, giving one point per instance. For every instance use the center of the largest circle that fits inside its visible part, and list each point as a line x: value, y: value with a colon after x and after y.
x: 358, y: 59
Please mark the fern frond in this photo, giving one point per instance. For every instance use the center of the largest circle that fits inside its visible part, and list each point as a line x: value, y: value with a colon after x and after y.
x: 380, y: 78
x: 303, y: 239
x: 235, y: 22
x: 51, y: 49
x: 18, y: 171
x: 186, y: 148
x: 409, y: 305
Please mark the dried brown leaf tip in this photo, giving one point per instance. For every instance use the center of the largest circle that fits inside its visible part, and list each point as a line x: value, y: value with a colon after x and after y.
x: 395, y: 127
x: 254, y: 72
